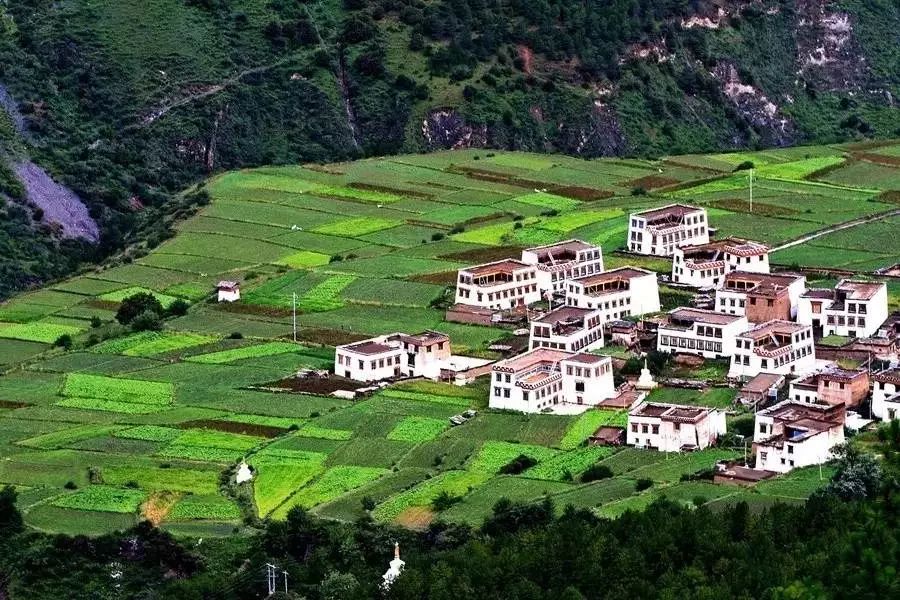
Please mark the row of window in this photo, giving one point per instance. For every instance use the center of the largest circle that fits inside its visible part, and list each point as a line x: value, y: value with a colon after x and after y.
x: 674, y: 342
x: 849, y: 321
x: 373, y: 364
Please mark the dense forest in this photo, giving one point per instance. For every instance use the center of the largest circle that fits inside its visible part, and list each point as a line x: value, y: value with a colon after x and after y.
x: 129, y: 102
x: 843, y: 543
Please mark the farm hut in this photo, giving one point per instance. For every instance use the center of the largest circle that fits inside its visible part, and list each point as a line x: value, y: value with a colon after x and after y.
x: 228, y: 291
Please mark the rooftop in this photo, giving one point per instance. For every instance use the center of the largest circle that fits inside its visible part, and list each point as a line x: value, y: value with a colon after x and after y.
x: 369, y: 347
x: 566, y: 313
x: 833, y: 374
x: 531, y: 358
x: 672, y: 212
x: 507, y: 266
x: 567, y: 246
x: 764, y: 284
x: 671, y: 412
x: 762, y: 383
x: 227, y: 284
x: 713, y: 250
x: 791, y: 410
x: 425, y: 338
x: 699, y: 315
x: 819, y: 293
x: 859, y: 290
x: 589, y: 359
x: 888, y: 376
x: 770, y: 328
x: 622, y: 274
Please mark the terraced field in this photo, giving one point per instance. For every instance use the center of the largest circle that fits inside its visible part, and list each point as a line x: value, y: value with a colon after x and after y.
x: 124, y: 426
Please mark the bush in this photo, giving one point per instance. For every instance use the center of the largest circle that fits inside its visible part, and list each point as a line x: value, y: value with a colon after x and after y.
x: 64, y: 341
x: 745, y: 166
x: 138, y: 304
x: 368, y: 503
x: 596, y: 473
x: 517, y: 465
x: 235, y: 335
x: 147, y: 321
x: 178, y: 308
x: 96, y: 322
x: 435, y: 237
x: 642, y: 484
x: 71, y: 485
x: 638, y: 191
x: 444, y: 500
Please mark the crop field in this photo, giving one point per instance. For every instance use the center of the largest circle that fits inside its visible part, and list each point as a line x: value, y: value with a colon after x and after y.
x: 111, y: 427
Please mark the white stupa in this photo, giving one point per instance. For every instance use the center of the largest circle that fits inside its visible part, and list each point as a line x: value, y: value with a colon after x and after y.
x: 645, y: 381
x: 243, y: 473
x: 394, y: 569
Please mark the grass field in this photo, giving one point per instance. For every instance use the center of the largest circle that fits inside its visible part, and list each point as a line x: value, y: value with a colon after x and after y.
x: 125, y: 423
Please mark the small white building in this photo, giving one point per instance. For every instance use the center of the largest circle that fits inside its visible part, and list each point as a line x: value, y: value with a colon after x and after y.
x: 760, y: 297
x: 568, y: 328
x: 228, y: 291
x: 853, y: 309
x: 886, y: 395
x: 498, y: 285
x: 622, y: 292
x: 395, y: 569
x: 394, y: 355
x: 543, y: 380
x: 659, y: 231
x: 559, y: 262
x: 791, y: 434
x: 780, y: 347
x: 695, y: 331
x: 674, y: 427
x: 705, y: 265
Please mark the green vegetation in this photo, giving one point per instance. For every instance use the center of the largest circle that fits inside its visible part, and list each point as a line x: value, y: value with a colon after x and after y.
x: 417, y: 429
x: 103, y: 498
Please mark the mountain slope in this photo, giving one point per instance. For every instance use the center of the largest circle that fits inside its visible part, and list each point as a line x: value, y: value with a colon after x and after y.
x: 126, y: 102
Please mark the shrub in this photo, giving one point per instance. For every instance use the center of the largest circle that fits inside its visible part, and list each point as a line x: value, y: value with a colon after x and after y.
x: 146, y: 321
x: 638, y: 191
x: 596, y: 473
x: 457, y: 229
x: 435, y: 237
x: 444, y: 500
x: 235, y: 335
x: 642, y: 484
x: 136, y: 305
x: 64, y: 341
x: 518, y: 465
x: 71, y: 485
x: 368, y: 503
x: 96, y: 322
x: 178, y: 308
x: 744, y: 166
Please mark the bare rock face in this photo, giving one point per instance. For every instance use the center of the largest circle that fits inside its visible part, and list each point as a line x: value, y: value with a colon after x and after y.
x: 762, y: 113
x: 828, y: 54
x: 601, y: 135
x: 445, y: 129
x: 60, y: 204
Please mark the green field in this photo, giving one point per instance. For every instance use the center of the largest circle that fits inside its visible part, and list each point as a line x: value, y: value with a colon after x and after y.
x: 123, y: 419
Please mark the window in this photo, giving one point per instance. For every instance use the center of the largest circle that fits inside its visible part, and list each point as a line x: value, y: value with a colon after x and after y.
x: 762, y: 427
x: 634, y: 428
x: 656, y: 430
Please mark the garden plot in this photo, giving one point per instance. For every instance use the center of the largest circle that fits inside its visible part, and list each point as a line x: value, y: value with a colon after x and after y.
x: 96, y: 392
x: 104, y: 499
x: 280, y: 216
x: 357, y: 227
x: 418, y: 429
x: 66, y: 437
x: 333, y: 483
x: 404, y: 236
x: 494, y: 455
x: 255, y: 351
x: 326, y: 295
x: 210, y: 506
x: 121, y: 294
x: 454, y: 483
x: 479, y: 504
x: 280, y: 473
x: 588, y: 423
x: 150, y: 343
x: 303, y: 259
x: 391, y: 292
x: 37, y: 331
x: 568, y: 465
x: 392, y: 265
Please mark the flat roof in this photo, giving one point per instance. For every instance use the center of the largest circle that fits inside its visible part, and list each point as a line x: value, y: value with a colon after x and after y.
x: 671, y: 412
x: 369, y: 347
x: 859, y: 290
x: 732, y: 245
x: 587, y: 358
x: 620, y: 274
x: 759, y: 279
x: 508, y: 266
x: 792, y: 410
x: 888, y: 376
x: 564, y: 313
x: 818, y: 293
x: 701, y: 315
x: 227, y: 284
x: 762, y: 383
x: 426, y: 337
x: 671, y: 211
x: 834, y: 374
x: 770, y: 327
x: 574, y: 245
x: 532, y: 358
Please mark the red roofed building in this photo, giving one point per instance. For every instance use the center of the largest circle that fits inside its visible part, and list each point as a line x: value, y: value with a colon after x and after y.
x: 228, y: 291
x: 795, y: 434
x: 499, y: 285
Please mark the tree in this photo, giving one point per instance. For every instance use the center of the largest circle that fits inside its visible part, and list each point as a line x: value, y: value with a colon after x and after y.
x: 136, y: 304
x: 146, y: 321
x: 339, y: 586
x: 64, y: 341
x: 178, y: 308
x: 10, y: 517
x: 857, y: 476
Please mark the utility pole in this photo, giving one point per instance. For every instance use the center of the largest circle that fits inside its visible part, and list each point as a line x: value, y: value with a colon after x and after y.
x: 751, y: 190
x: 285, y: 581
x: 271, y: 577
x: 294, y: 313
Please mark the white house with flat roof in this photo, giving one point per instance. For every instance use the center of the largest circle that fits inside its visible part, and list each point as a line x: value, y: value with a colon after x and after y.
x: 659, y: 231
x: 228, y: 291
x: 704, y: 332
x: 394, y: 355
x: 793, y: 434
x: 853, y: 308
x: 781, y: 347
x: 673, y: 427
x: 760, y: 297
x: 499, y: 285
x: 886, y: 395
x: 543, y: 380
x: 559, y: 262
x: 705, y: 265
x: 568, y: 328
x: 622, y: 292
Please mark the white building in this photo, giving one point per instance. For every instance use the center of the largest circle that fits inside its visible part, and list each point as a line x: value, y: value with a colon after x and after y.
x: 395, y: 569
x: 617, y: 293
x: 394, y: 355
x: 705, y: 265
x: 559, y: 262
x: 660, y: 230
x: 780, y: 347
x: 498, y: 285
x: 793, y: 434
x: 568, y: 328
x: 228, y: 291
x: 673, y: 427
x: 886, y: 395
x: 853, y: 309
x: 705, y: 332
x: 543, y: 380
x: 760, y: 297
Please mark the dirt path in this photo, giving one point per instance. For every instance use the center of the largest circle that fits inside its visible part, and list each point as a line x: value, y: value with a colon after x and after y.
x: 838, y: 227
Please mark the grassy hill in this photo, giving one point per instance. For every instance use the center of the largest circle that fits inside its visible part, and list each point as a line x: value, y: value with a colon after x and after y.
x: 142, y: 425
x: 128, y: 102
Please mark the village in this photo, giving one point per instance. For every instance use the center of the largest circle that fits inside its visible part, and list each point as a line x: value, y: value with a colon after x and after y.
x: 768, y: 326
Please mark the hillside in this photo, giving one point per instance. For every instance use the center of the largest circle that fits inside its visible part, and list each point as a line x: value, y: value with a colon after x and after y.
x: 144, y: 424
x: 127, y: 102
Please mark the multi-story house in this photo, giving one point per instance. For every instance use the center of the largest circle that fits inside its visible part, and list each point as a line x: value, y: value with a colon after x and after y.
x: 498, y: 285
x: 617, y: 293
x: 543, y: 380
x: 760, y: 297
x: 568, y: 328
x: 853, y: 308
x: 793, y: 434
x: 559, y: 262
x: 673, y: 427
x: 833, y: 386
x: 659, y: 231
x: 705, y: 265
x: 393, y: 355
x: 695, y: 331
x: 775, y: 347
x: 886, y: 395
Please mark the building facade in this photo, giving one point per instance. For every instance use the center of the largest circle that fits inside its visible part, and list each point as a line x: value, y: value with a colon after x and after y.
x: 393, y: 355
x: 559, y: 262
x: 781, y: 347
x: 853, y: 309
x: 794, y: 434
x: 660, y: 230
x: 617, y: 293
x: 834, y: 386
x: 568, y: 328
x: 760, y: 297
x: 228, y: 291
x: 500, y: 285
x: 704, y: 332
x: 543, y: 380
x: 673, y: 428
x: 886, y: 395
x: 706, y: 265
